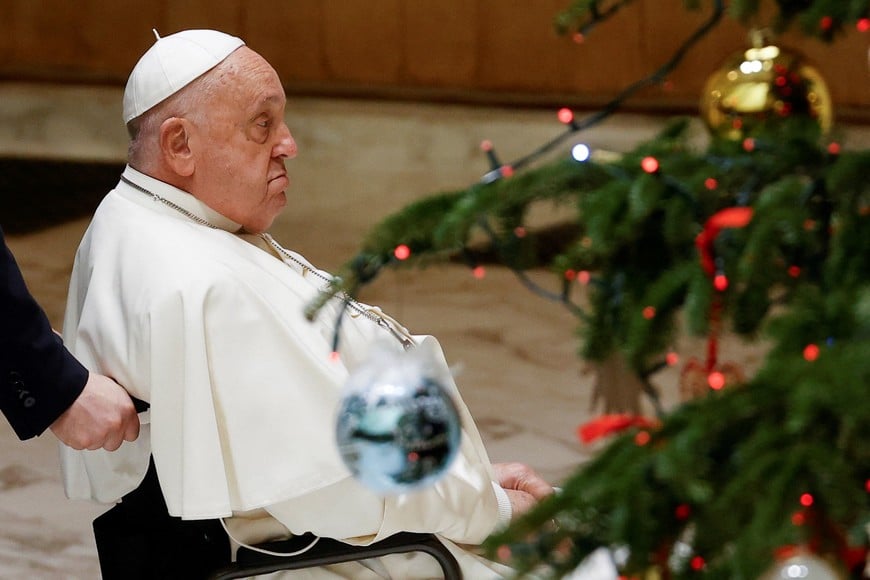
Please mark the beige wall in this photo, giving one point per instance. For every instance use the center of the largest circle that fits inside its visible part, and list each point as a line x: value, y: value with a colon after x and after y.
x: 491, y: 51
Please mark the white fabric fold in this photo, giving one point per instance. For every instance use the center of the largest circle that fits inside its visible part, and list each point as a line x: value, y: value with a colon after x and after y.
x: 211, y: 331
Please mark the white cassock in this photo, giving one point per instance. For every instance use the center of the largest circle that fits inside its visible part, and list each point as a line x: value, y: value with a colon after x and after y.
x: 210, y: 329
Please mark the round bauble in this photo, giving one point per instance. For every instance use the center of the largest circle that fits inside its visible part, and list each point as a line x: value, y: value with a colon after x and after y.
x: 761, y: 85
x: 803, y: 565
x: 398, y: 428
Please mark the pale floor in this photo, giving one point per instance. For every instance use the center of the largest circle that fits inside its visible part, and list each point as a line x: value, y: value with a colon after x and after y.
x: 514, y: 352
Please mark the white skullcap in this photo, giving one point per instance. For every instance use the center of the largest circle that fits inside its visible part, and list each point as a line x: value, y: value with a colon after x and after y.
x: 171, y: 64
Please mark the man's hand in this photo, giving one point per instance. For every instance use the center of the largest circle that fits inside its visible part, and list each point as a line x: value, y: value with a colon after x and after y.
x: 523, y: 485
x: 102, y: 416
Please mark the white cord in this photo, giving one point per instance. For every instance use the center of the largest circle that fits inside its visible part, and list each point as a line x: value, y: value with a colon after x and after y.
x: 269, y: 552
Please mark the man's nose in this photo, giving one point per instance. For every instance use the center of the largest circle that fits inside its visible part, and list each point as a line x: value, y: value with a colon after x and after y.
x: 286, y: 146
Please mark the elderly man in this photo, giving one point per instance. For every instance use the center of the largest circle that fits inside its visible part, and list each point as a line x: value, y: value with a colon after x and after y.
x: 179, y: 293
x: 44, y: 386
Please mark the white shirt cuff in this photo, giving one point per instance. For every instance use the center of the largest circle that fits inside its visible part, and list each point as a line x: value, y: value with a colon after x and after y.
x: 505, y: 512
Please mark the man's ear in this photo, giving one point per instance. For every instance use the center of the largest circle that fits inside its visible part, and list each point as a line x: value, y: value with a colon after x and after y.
x: 175, y: 133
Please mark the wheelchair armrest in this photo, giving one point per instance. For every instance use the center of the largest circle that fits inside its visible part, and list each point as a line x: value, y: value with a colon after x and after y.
x: 328, y: 551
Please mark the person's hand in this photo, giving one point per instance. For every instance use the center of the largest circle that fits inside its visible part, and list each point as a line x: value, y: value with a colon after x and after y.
x: 102, y: 416
x: 523, y: 485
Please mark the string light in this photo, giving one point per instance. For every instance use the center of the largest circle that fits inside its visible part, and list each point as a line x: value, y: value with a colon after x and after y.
x: 834, y: 148
x: 711, y: 183
x: 794, y: 271
x: 698, y: 563
x: 716, y: 380
x: 863, y: 24
x: 811, y: 352
x: 826, y: 22
x: 649, y: 164
x: 570, y: 274
x: 495, y: 165
x: 748, y: 144
x: 720, y: 282
x: 565, y: 116
x: 583, y: 276
x: 507, y: 171
x: 520, y: 232
x: 798, y: 518
x: 642, y: 438
x: 683, y: 511
x: 806, y: 499
x: 580, y: 152
x: 402, y: 252
x: 478, y: 272
x: 649, y: 312
x: 334, y: 356
x: 672, y: 358
x: 614, y: 104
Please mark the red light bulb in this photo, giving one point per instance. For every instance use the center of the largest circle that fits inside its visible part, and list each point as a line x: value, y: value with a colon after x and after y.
x: 716, y: 380
x: 402, y: 252
x: 649, y: 164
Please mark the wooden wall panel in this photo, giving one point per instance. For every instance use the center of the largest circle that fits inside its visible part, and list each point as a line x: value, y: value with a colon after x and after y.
x: 226, y: 15
x: 497, y: 51
x: 440, y: 43
x: 519, y: 53
x: 82, y: 40
x: 289, y: 34
x: 363, y: 40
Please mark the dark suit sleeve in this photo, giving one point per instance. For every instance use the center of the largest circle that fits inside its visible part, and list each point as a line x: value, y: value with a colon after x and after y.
x: 39, y: 378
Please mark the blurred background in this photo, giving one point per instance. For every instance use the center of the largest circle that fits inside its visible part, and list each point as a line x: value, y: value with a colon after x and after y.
x: 389, y: 101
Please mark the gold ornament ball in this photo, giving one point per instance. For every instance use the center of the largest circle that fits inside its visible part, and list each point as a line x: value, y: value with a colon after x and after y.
x: 803, y: 566
x: 760, y: 85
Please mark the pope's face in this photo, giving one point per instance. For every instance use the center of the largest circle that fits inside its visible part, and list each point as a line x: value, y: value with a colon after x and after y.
x: 241, y: 141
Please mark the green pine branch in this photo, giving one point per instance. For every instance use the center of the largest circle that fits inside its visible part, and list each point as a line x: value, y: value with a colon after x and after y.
x: 822, y: 19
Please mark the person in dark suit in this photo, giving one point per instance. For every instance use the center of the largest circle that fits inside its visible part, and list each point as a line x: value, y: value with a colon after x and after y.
x: 43, y: 386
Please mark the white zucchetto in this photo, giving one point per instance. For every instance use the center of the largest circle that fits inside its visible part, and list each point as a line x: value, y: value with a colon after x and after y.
x: 171, y: 64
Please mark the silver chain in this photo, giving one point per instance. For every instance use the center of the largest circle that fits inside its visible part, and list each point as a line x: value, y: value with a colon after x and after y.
x: 168, y: 203
x: 350, y: 302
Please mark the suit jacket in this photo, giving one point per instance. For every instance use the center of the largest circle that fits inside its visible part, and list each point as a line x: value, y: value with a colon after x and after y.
x: 39, y: 378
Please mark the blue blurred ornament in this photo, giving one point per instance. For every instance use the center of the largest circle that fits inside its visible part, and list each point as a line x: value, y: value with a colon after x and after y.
x: 398, y: 429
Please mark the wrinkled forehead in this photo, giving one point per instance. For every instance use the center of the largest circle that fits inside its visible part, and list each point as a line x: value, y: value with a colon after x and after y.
x: 247, y: 75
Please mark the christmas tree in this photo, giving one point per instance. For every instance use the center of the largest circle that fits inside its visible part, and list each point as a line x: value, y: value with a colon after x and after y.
x: 764, y: 229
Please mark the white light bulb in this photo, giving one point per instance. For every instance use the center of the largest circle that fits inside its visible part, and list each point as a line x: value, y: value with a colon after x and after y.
x: 580, y: 152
